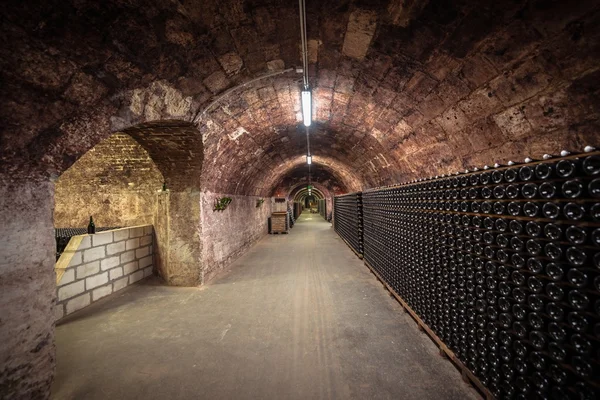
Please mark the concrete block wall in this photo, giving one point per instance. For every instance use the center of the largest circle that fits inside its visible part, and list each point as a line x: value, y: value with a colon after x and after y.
x: 95, y: 266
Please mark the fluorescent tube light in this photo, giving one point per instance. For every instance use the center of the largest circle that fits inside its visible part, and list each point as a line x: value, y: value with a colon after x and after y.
x: 306, y: 107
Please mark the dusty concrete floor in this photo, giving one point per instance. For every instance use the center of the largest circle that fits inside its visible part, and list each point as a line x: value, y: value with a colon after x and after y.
x: 298, y: 317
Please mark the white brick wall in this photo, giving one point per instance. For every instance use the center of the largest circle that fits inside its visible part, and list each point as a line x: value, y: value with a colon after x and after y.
x: 143, y: 252
x: 116, y: 248
x: 88, y: 269
x: 95, y: 253
x: 110, y: 262
x: 130, y: 267
x: 136, y: 276
x: 96, y: 280
x: 101, y: 292
x: 144, y: 262
x: 115, y: 273
x: 103, y: 264
x: 77, y: 303
x: 128, y: 256
x: 71, y: 290
x: 68, y: 277
x: 102, y: 238
x: 121, y: 234
x: 132, y: 244
x: 77, y: 259
x: 120, y: 283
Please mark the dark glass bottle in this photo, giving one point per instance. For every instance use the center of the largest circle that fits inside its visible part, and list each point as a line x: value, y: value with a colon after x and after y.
x: 576, y: 256
x: 578, y: 299
x: 573, y: 189
x: 591, y: 165
x: 551, y: 210
x: 557, y: 352
x: 576, y: 234
x: 529, y: 190
x: 526, y: 173
x: 555, y: 311
x: 596, y: 237
x: 531, y: 209
x: 512, y: 191
x: 514, y: 208
x: 578, y: 321
x: 553, y: 251
x: 584, y: 391
x: 91, y: 228
x: 543, y: 171
x: 557, y: 331
x: 574, y: 211
x: 552, y: 231
x: 565, y: 168
x: 594, y: 188
x: 522, y: 384
x: 515, y: 227
x: 547, y: 190
x: 555, y: 291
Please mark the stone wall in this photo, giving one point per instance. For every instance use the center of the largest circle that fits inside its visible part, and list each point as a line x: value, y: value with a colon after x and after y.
x: 27, y: 287
x: 228, y: 234
x: 95, y: 266
x: 115, y: 182
x: 178, y: 238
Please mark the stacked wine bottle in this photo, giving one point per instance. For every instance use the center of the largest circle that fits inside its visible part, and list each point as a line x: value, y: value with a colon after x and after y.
x: 322, y: 206
x: 504, y: 266
x: 347, y: 220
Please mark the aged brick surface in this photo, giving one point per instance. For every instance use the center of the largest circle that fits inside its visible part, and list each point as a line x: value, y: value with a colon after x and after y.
x: 401, y: 90
x: 422, y: 61
x: 227, y: 234
x: 178, y: 246
x: 114, y: 182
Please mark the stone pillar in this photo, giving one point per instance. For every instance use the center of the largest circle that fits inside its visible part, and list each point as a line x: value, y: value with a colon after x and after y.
x: 27, y: 289
x: 178, y: 244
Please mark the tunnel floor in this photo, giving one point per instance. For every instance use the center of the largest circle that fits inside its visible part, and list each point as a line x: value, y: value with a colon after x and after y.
x: 297, y: 317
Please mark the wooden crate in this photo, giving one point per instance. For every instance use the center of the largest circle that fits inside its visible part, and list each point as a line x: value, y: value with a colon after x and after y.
x: 279, y: 222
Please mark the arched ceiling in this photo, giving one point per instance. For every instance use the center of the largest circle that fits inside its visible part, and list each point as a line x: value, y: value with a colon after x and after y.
x: 401, y: 89
x: 303, y: 193
x: 327, y: 180
x: 176, y: 149
x: 260, y: 125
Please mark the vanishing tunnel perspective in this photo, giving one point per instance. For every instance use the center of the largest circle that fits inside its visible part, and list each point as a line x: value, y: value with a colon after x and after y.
x: 300, y: 199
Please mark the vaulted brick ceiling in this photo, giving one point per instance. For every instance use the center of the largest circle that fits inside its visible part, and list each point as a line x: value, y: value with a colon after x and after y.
x: 402, y: 89
x: 328, y: 180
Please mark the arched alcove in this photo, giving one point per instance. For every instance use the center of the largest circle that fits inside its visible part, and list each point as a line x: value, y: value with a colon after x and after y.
x: 115, y: 182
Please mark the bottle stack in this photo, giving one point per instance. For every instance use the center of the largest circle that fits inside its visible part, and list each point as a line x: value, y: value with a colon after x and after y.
x: 322, y: 205
x: 348, y: 221
x: 502, y: 264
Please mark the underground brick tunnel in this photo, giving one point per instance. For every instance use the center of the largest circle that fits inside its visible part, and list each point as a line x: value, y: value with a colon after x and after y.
x: 443, y: 242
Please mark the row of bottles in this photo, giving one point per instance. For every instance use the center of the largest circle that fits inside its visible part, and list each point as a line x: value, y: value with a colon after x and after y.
x: 504, y: 266
x: 347, y: 219
x: 322, y: 208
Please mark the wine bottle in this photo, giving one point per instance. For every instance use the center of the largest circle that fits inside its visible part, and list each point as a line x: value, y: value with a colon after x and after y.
x: 91, y: 228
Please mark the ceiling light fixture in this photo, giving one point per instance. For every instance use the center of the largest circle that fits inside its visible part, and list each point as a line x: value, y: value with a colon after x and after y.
x: 306, y: 93
x: 306, y: 107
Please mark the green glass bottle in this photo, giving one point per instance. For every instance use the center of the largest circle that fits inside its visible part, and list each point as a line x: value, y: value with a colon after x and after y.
x: 91, y: 229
